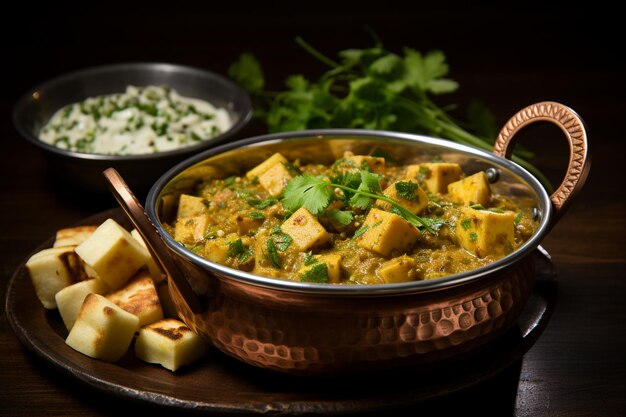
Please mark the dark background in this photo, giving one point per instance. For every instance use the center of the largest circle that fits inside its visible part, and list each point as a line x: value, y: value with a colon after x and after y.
x: 508, y: 57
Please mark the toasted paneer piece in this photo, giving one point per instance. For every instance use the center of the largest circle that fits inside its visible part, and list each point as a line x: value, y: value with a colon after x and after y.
x: 102, y: 329
x: 385, y: 231
x: 474, y: 189
x: 53, y: 269
x: 73, y: 236
x: 331, y: 272
x: 169, y: 343
x: 305, y: 230
x: 113, y: 253
x: 216, y: 250
x: 191, y: 206
x: 264, y: 166
x: 435, y: 176
x: 407, y: 193
x: 400, y: 269
x: 485, y: 232
x: 275, y: 179
x: 191, y: 229
x: 70, y: 299
x: 139, y: 297
x: 155, y: 272
x: 376, y: 164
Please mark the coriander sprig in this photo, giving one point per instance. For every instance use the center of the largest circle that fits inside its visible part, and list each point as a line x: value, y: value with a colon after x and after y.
x: 372, y: 88
x: 315, y: 193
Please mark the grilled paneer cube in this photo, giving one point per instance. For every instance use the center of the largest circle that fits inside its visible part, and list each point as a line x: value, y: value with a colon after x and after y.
x: 73, y: 236
x: 474, y: 189
x: 70, y: 299
x: 407, y: 193
x: 155, y: 271
x: 170, y: 343
x: 113, y: 253
x: 305, y: 230
x: 264, y: 166
x: 384, y: 231
x: 139, y: 297
x: 436, y: 175
x: 485, y: 232
x: 102, y: 329
x: 53, y: 269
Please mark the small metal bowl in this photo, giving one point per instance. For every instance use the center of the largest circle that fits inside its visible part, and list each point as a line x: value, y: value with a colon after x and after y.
x: 306, y: 328
x: 36, y: 107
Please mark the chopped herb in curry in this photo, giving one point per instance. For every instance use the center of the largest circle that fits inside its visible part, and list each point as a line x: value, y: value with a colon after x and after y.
x: 364, y: 219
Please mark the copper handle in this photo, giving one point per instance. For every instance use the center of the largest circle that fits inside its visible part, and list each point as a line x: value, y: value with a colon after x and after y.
x: 574, y: 128
x: 157, y: 248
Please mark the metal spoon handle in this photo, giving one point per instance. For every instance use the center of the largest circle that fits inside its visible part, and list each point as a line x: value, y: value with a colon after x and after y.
x: 157, y: 248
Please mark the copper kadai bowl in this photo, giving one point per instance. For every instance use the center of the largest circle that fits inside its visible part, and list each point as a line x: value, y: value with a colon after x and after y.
x: 305, y: 328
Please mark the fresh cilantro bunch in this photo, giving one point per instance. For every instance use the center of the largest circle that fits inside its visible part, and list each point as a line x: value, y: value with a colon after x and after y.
x: 372, y: 89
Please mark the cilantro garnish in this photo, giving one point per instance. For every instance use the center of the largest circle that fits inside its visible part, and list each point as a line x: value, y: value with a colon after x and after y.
x: 272, y: 254
x: 518, y: 217
x: 315, y: 194
x: 407, y: 190
x: 318, y: 273
x: 466, y: 224
x: 310, y: 259
x: 341, y: 217
x: 255, y: 215
x: 262, y: 204
x: 473, y: 236
x: 237, y: 249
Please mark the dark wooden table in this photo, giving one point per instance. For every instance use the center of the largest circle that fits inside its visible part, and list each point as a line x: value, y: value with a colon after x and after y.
x: 506, y: 58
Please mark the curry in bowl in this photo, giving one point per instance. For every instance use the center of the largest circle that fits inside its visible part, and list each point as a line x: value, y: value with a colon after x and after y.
x: 341, y: 214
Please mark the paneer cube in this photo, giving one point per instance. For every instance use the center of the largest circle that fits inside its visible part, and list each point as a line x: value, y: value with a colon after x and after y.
x: 155, y: 271
x: 70, y: 299
x: 376, y: 164
x: 73, y: 236
x: 191, y: 206
x: 385, y: 231
x: 400, y: 269
x: 102, y: 329
x: 139, y: 297
x: 264, y: 166
x: 275, y: 179
x: 435, y: 176
x: 485, y: 232
x: 407, y: 193
x: 332, y: 274
x: 113, y: 253
x: 191, y: 229
x: 305, y: 230
x: 170, y: 343
x: 474, y: 189
x: 53, y: 269
x: 216, y: 250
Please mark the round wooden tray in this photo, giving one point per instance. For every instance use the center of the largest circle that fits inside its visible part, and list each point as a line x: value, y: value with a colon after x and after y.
x: 221, y: 385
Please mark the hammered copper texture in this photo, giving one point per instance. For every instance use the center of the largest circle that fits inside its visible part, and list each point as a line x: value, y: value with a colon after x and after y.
x: 573, y: 127
x: 309, y: 334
